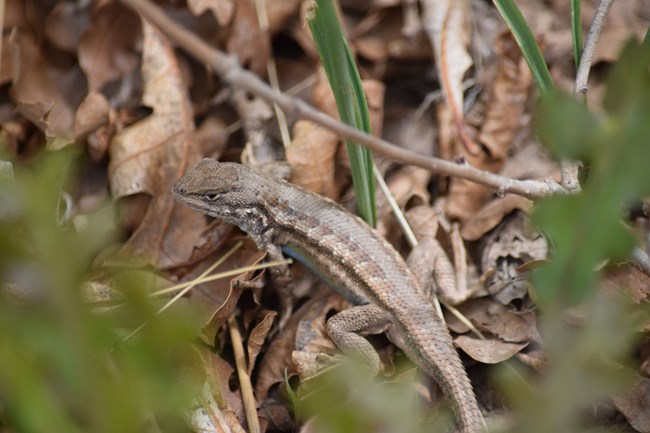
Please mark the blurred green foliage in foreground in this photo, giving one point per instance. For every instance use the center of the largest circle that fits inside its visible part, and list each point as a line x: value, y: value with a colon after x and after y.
x: 64, y: 367
x: 591, y: 361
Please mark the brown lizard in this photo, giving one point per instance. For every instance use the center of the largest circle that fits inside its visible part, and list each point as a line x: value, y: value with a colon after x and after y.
x: 351, y: 257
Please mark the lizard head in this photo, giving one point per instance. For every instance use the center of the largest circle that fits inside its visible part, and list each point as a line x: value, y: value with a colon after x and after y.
x: 219, y: 189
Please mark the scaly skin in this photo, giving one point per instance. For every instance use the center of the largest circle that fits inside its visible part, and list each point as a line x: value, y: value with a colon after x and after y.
x: 350, y: 256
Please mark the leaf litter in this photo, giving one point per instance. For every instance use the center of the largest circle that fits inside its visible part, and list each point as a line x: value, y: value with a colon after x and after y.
x: 94, y: 76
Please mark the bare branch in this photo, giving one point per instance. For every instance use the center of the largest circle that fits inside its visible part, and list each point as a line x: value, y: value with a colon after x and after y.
x: 582, y: 77
x: 229, y: 70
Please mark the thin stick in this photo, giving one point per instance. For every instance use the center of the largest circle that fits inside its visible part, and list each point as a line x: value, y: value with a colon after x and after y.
x: 248, y: 398
x: 228, y: 68
x: 582, y: 77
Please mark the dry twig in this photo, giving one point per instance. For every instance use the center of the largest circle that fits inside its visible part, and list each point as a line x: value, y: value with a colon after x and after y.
x: 230, y: 71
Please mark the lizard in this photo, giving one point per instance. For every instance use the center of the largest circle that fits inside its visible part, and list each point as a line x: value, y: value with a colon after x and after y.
x: 351, y: 257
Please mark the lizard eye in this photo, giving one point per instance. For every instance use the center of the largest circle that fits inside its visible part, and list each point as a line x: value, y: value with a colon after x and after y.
x: 211, y: 197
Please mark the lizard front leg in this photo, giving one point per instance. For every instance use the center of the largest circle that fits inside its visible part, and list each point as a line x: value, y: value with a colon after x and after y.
x: 282, y: 280
x: 347, y: 327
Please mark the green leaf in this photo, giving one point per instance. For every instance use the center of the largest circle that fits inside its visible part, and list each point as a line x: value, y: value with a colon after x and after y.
x: 526, y: 41
x: 586, y: 229
x: 576, y: 31
x: 350, y: 99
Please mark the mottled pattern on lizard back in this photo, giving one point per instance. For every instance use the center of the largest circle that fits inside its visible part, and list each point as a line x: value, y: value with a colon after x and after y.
x: 346, y: 253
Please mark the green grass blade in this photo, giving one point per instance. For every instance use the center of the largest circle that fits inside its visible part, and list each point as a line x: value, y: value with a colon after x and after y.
x: 345, y: 82
x: 524, y: 37
x: 576, y: 31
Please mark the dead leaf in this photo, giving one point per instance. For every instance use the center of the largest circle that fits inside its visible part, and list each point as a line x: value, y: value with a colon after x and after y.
x: 246, y: 40
x: 294, y: 337
x: 492, y: 214
x: 92, y: 113
x: 45, y: 94
x: 497, y: 118
x: 628, y: 280
x: 230, y: 407
x: 448, y: 26
x: 492, y: 317
x: 107, y: 47
x: 218, y: 299
x: 311, y: 155
x: 488, y: 351
x: 635, y: 405
x: 257, y: 337
x: 222, y: 10
x: 149, y: 156
x: 65, y: 25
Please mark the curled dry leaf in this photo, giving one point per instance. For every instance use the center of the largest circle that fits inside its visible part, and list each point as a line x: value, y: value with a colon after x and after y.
x: 149, y: 156
x: 512, y: 245
x: 46, y: 95
x: 106, y: 49
x: 448, y: 26
x: 497, y: 118
x: 257, y: 337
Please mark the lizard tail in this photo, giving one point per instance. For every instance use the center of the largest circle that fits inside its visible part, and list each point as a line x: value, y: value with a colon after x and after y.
x: 434, y: 353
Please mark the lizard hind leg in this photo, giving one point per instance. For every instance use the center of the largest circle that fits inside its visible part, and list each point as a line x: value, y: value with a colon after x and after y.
x: 347, y: 328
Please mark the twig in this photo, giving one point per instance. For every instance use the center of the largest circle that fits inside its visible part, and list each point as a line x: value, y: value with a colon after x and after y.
x: 248, y: 398
x: 569, y: 169
x: 229, y: 70
x: 582, y: 77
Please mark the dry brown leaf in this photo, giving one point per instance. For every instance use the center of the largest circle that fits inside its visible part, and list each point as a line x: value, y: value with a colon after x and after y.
x: 106, y: 49
x: 311, y: 155
x: 246, y: 40
x: 218, y: 299
x: 280, y: 13
x: 92, y: 113
x: 497, y: 117
x: 410, y: 129
x: 149, y: 156
x: 635, y: 405
x: 492, y: 317
x: 492, y: 214
x: 257, y: 337
x: 448, y: 26
x: 65, y: 25
x: 276, y: 359
x: 223, y: 10
x: 385, y: 39
x: 628, y: 280
x: 46, y: 95
x: 230, y: 403
x: 488, y: 351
